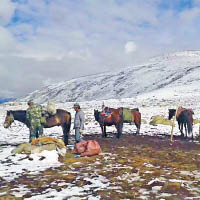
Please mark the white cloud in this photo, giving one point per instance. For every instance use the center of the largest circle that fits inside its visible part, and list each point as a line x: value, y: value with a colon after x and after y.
x: 187, y: 16
x: 47, y: 81
x: 6, y: 11
x: 81, y: 54
x: 130, y: 47
x: 7, y: 42
x: 64, y: 39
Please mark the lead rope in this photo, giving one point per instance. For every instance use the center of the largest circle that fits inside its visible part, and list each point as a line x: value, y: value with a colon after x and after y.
x: 11, y: 130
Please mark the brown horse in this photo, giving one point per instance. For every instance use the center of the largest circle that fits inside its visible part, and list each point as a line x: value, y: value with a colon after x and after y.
x: 61, y: 118
x: 116, y: 118
x: 184, y: 118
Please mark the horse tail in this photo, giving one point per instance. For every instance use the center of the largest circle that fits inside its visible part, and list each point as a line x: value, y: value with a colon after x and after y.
x: 137, y: 120
x: 68, y: 125
x: 189, y: 126
x: 189, y: 122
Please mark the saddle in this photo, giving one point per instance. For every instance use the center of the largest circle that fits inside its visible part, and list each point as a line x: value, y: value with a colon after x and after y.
x: 106, y: 114
x: 108, y: 117
x: 181, y: 109
x: 48, y: 115
x: 127, y: 115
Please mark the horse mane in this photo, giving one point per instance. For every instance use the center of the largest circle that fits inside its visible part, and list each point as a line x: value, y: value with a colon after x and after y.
x: 16, y: 112
x: 135, y: 109
x: 11, y: 111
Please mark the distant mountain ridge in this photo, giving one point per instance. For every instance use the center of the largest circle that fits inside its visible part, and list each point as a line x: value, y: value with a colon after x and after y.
x: 3, y: 100
x: 170, y: 70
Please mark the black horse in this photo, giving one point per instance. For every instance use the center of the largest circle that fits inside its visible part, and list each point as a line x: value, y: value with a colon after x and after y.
x: 184, y: 118
x: 61, y: 118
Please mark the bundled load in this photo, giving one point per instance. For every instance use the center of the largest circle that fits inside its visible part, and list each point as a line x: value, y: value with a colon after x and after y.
x: 127, y: 115
x: 155, y: 120
x: 40, y: 144
x: 51, y: 108
x: 88, y: 148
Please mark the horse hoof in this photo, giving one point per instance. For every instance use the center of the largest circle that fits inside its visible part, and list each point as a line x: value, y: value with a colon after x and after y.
x: 119, y: 136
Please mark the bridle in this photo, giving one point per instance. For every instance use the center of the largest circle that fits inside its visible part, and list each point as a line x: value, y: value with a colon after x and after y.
x: 9, y: 120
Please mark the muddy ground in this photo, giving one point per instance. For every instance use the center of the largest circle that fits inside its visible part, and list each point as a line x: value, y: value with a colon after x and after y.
x: 133, y: 167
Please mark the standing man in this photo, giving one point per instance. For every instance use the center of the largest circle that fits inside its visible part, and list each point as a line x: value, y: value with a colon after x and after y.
x: 33, y: 115
x: 78, y: 122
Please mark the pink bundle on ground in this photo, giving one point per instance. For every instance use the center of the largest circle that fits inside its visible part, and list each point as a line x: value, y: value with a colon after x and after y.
x: 88, y: 148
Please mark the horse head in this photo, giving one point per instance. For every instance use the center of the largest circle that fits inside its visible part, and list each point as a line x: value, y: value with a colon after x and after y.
x: 8, y: 120
x: 96, y: 115
x: 171, y: 113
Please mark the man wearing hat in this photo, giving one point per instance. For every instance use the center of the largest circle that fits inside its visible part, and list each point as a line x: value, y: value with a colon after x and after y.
x: 33, y: 115
x: 78, y: 122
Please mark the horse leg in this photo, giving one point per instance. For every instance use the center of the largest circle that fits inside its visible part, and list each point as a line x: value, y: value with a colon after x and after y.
x: 180, y: 126
x: 102, y: 131
x: 137, y: 124
x: 105, y: 134
x: 37, y: 132
x: 120, y: 126
x: 119, y: 129
x: 186, y: 132
x: 189, y: 127
x: 138, y: 128
x: 192, y: 136
x: 192, y: 133
x: 65, y: 129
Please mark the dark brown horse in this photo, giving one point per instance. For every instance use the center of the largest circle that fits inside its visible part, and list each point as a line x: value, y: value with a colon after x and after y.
x: 184, y: 118
x: 116, y: 118
x: 61, y: 118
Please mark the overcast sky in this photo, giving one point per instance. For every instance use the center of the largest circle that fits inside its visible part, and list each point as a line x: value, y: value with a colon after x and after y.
x: 47, y: 41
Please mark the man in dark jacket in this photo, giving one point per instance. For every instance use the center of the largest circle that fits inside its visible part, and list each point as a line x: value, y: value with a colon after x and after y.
x: 78, y: 122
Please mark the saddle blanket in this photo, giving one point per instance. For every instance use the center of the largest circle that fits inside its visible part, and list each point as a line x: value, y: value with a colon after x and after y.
x: 127, y: 116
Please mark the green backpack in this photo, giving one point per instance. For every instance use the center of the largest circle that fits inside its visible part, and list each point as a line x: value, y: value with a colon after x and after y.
x: 43, y: 120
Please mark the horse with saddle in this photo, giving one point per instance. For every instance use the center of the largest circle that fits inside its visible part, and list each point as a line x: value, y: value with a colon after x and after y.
x: 117, y: 116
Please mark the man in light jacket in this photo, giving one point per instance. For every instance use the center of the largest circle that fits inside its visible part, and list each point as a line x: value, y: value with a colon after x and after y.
x: 78, y: 122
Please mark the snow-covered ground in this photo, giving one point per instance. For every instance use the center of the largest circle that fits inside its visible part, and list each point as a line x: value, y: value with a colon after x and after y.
x: 150, y: 104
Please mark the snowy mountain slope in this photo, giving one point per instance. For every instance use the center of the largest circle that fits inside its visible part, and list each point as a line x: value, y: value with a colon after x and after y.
x: 170, y: 70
